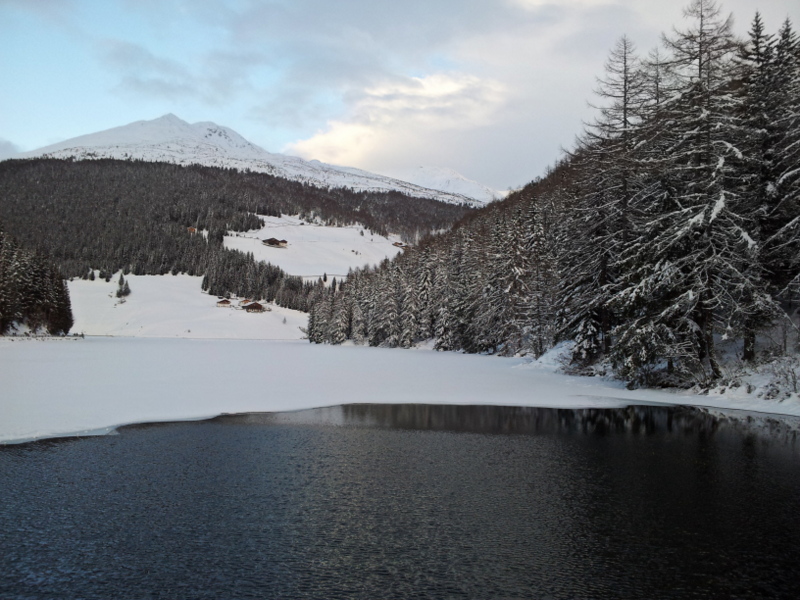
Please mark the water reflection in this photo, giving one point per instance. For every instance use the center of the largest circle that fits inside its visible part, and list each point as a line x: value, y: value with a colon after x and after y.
x: 633, y: 420
x: 381, y: 501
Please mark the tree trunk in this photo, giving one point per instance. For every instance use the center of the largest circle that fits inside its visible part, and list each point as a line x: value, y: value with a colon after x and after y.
x: 749, y: 353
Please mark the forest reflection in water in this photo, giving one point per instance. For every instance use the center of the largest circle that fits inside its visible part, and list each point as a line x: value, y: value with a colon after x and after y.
x: 487, y: 419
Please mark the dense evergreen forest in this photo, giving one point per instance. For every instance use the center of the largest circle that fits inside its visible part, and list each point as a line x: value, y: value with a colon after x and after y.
x: 672, y: 227
x: 32, y: 291
x: 149, y: 218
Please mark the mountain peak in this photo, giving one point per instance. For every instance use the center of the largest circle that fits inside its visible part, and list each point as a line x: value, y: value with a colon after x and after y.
x: 168, y: 118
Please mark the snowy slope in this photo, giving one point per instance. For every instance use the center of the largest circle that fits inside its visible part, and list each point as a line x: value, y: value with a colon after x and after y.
x: 314, y: 250
x: 174, y: 306
x: 167, y: 306
x: 170, y: 139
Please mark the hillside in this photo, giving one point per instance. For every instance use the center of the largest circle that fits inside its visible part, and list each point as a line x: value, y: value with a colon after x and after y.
x: 174, y: 306
x: 138, y: 216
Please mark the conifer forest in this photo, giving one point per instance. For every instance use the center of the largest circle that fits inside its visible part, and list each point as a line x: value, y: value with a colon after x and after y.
x: 156, y: 218
x: 31, y: 290
x: 672, y: 227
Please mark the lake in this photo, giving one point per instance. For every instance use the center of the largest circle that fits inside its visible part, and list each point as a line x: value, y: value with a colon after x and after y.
x: 408, y: 501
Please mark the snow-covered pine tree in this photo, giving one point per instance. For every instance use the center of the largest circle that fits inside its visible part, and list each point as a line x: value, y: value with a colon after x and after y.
x: 318, y: 314
x: 468, y: 275
x: 10, y: 309
x: 782, y: 243
x: 539, y: 328
x: 444, y: 326
x: 493, y: 320
x: 409, y: 318
x: 697, y: 247
x: 426, y: 262
x: 123, y: 289
x: 606, y: 162
x: 383, y: 322
x: 507, y: 288
x: 612, y: 137
x: 339, y: 326
x: 363, y: 306
x: 31, y: 290
x: 764, y: 90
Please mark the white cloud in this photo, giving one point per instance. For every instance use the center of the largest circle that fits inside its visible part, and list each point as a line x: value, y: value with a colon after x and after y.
x: 538, y: 4
x: 491, y: 88
x: 394, y: 114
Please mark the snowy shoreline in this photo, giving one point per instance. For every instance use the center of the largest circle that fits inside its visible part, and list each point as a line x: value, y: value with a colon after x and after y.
x: 98, y: 384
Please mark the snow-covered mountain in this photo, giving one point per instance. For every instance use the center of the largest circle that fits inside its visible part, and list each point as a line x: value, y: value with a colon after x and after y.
x: 448, y: 180
x: 170, y: 139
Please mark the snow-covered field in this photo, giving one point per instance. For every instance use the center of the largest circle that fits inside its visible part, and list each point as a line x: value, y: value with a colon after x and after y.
x: 170, y: 306
x: 80, y: 386
x: 314, y: 250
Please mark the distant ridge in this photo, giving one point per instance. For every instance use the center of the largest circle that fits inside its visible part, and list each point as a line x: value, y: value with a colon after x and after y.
x: 171, y: 139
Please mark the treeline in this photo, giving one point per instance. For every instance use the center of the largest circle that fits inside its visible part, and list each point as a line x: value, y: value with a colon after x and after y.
x: 32, y: 291
x: 673, y: 224
x: 146, y: 218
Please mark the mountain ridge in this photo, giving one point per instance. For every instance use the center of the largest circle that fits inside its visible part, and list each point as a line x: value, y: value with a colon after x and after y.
x: 170, y: 139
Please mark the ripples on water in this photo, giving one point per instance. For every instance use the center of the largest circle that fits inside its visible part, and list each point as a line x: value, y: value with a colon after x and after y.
x: 408, y: 501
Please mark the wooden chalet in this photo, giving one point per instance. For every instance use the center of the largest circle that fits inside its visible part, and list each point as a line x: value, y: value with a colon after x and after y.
x: 275, y: 243
x: 224, y: 303
x: 255, y: 307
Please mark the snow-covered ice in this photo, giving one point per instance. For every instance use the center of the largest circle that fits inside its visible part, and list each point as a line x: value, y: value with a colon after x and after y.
x: 81, y: 386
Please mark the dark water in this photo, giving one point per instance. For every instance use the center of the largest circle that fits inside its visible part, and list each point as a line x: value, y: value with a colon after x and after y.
x: 407, y: 502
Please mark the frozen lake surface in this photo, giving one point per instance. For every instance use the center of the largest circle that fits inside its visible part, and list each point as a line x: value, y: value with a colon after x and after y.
x: 387, y: 501
x: 80, y: 386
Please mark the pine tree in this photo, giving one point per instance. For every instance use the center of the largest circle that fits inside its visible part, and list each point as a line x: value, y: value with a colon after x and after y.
x: 31, y: 291
x: 694, y: 261
x: 761, y: 138
x: 607, y: 165
x: 782, y: 240
x: 539, y: 329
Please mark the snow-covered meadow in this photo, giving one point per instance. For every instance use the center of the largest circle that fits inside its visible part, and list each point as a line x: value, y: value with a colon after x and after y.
x: 314, y: 250
x: 170, y: 306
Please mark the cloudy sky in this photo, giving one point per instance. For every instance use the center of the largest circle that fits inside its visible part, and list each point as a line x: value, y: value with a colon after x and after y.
x: 491, y: 88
